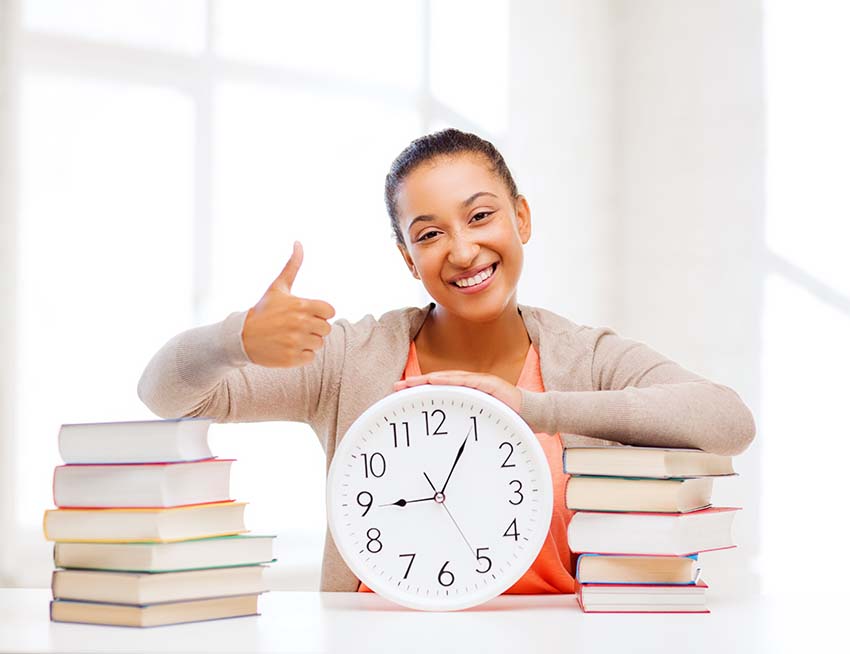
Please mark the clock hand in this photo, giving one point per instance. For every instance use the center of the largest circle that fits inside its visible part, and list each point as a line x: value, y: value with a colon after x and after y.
x: 459, y: 529
x: 404, y: 502
x: 457, y: 458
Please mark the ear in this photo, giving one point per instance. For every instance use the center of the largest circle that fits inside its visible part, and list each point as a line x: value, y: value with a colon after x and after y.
x: 523, y: 218
x: 406, y: 256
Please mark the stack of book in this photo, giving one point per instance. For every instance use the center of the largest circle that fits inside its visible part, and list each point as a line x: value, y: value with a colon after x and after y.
x: 145, y: 531
x: 643, y: 517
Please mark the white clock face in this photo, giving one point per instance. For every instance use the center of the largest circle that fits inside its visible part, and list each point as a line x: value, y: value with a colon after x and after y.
x: 439, y: 497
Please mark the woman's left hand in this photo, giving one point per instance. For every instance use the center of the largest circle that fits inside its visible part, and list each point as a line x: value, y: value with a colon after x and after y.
x: 491, y: 384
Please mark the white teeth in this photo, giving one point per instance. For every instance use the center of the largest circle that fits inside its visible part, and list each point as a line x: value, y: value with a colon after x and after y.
x: 477, y: 279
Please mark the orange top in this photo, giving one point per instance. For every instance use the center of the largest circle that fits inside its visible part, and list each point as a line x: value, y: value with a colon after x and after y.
x: 552, y: 570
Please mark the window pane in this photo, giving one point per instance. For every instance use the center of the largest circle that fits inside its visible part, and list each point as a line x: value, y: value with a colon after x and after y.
x: 160, y: 24
x: 808, y: 139
x: 371, y: 40
x: 106, y: 257
x: 469, y: 59
x: 292, y: 165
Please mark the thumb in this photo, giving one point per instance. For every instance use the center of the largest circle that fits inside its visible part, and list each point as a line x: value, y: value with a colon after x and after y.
x: 286, y: 277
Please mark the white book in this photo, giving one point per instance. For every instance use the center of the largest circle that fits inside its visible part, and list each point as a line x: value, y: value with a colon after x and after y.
x: 156, y: 525
x: 214, y: 552
x: 153, y: 615
x: 152, y: 588
x: 142, y: 485
x: 143, y: 441
x: 671, y: 534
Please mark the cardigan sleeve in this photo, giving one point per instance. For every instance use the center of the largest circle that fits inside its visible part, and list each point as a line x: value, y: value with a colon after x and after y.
x: 205, y: 372
x: 644, y: 398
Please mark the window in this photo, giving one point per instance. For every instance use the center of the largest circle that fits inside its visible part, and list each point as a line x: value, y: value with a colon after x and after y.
x: 171, y: 154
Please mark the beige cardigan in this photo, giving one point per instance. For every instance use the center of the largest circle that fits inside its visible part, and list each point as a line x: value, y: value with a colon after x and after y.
x: 599, y: 385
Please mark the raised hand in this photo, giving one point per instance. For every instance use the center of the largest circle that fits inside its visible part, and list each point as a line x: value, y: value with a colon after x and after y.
x: 282, y: 330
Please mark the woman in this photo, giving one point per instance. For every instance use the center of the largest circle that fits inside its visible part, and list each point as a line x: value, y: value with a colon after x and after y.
x: 459, y: 225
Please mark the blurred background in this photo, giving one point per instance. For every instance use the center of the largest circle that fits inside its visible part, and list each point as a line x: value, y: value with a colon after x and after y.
x: 686, y: 163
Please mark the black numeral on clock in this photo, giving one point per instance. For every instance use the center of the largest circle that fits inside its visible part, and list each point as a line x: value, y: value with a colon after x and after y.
x: 412, y: 556
x: 445, y: 573
x: 374, y: 539
x: 517, y: 491
x: 406, y: 433
x: 485, y: 558
x: 368, y: 504
x: 474, y: 427
x: 427, y: 424
x: 505, y: 463
x: 508, y: 532
x: 375, y: 464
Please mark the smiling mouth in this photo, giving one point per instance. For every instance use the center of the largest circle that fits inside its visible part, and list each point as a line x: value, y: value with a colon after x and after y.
x: 475, y: 280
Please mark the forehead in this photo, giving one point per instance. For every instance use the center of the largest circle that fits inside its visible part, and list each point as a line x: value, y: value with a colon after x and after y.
x: 442, y: 184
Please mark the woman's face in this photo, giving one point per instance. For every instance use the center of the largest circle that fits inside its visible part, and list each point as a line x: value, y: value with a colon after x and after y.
x: 458, y: 219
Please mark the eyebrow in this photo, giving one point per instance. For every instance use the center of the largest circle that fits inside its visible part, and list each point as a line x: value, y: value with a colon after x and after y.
x: 472, y: 198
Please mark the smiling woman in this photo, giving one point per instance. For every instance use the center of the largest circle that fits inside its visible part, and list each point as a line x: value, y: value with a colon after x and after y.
x: 460, y: 226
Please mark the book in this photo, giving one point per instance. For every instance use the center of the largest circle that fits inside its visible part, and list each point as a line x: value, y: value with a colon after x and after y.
x: 618, y: 569
x: 633, y: 461
x: 622, y: 494
x: 640, y: 598
x: 216, y: 552
x: 142, y: 441
x: 155, y: 525
x: 153, y: 615
x: 672, y: 534
x: 142, y: 484
x: 139, y: 588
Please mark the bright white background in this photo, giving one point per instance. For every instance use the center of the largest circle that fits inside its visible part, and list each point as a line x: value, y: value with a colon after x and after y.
x: 685, y: 162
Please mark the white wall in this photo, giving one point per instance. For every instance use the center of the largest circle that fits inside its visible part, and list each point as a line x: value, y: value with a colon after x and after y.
x: 560, y: 147
x: 689, y: 171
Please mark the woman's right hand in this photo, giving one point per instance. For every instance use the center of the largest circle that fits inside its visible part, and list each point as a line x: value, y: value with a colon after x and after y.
x: 282, y: 330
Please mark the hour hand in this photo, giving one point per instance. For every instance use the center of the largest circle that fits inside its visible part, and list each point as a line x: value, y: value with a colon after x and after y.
x: 406, y: 502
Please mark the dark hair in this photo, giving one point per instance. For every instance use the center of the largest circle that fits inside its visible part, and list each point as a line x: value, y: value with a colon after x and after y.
x: 445, y: 143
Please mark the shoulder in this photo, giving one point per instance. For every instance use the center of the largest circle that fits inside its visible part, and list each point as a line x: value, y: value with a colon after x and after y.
x: 567, y: 332
x: 395, y: 324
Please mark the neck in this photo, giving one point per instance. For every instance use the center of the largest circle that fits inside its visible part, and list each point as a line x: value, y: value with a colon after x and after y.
x: 474, y: 346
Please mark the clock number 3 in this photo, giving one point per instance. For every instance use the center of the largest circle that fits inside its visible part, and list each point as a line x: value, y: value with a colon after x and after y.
x: 517, y: 491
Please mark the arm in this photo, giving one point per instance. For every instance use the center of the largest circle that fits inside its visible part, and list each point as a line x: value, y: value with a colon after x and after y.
x: 205, y: 372
x: 643, y: 398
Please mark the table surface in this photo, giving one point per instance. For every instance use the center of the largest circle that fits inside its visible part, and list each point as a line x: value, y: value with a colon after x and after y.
x: 365, y: 622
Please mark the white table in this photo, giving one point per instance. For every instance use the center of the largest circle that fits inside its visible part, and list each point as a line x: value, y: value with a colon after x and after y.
x: 364, y: 622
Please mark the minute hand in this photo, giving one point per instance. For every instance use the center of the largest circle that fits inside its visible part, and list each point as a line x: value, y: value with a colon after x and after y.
x: 457, y: 458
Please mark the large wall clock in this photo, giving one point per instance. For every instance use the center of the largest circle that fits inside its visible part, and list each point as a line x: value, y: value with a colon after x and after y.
x: 439, y: 497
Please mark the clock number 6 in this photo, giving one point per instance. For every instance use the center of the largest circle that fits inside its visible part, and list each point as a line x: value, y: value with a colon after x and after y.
x: 443, y: 571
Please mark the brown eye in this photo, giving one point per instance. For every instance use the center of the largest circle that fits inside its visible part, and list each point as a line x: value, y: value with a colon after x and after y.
x: 483, y: 214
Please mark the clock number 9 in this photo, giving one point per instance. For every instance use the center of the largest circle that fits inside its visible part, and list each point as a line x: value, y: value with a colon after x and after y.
x: 443, y: 571
x: 368, y: 504
x: 369, y: 464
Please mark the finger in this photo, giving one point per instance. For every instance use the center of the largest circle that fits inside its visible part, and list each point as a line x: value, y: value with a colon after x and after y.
x: 319, y: 308
x: 318, y: 326
x: 286, y: 278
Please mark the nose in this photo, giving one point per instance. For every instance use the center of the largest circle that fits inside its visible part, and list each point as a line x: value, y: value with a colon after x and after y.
x: 463, y: 251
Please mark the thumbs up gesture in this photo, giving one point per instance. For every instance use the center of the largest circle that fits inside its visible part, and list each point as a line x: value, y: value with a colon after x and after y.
x: 282, y: 330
